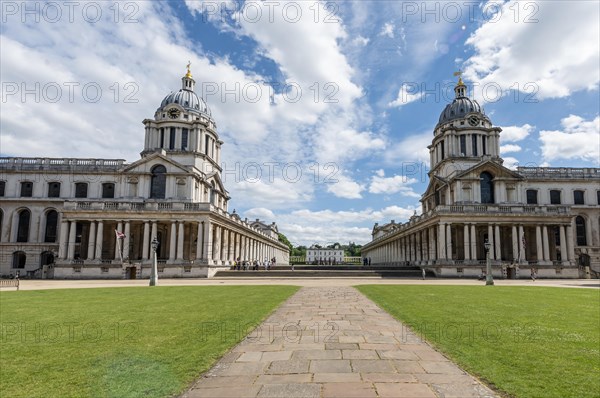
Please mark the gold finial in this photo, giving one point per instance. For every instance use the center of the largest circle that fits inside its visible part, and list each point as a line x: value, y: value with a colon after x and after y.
x: 459, y: 74
x: 189, y: 73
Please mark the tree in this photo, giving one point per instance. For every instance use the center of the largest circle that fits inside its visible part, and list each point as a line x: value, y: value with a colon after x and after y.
x: 283, y: 239
x: 299, y: 251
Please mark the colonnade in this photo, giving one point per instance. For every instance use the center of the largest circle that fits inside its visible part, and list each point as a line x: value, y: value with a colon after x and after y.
x: 447, y: 242
x: 183, y: 241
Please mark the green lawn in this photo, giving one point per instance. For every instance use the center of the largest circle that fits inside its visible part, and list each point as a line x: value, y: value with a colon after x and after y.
x: 122, y: 342
x: 524, y: 341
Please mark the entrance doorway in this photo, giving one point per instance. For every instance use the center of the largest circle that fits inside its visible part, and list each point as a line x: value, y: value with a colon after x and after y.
x: 511, y: 273
x: 131, y: 272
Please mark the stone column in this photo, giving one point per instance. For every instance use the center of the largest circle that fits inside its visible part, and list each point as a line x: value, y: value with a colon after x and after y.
x: 199, y: 241
x: 442, y: 241
x: 491, y: 241
x: 207, y: 242
x: 216, y: 249
x: 563, y: 245
x: 71, y: 247
x: 515, y: 243
x: 173, y: 241
x: 467, y: 248
x: 473, y: 242
x: 64, y: 240
x: 180, y: 240
x: 497, y: 242
x: 127, y: 239
x: 570, y: 243
x: 449, y: 241
x: 99, y: 240
x: 522, y: 250
x: 538, y: 241
x: 545, y: 240
x: 225, y: 245
x: 432, y: 242
x: 91, y: 241
x: 118, y: 242
x: 146, y: 241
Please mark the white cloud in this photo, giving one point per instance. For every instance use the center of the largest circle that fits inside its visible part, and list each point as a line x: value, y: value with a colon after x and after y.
x: 509, y: 148
x: 387, y: 30
x: 539, y: 49
x: 515, y: 133
x: 345, y: 188
x: 360, y: 40
x: 410, y: 152
x: 579, y: 139
x: 510, y: 162
x: 405, y: 97
x: 261, y: 213
x: 390, y: 185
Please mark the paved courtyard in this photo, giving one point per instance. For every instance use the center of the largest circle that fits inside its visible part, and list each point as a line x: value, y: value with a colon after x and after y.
x: 334, y: 342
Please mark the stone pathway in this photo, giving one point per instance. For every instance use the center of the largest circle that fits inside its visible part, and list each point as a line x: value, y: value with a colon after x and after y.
x: 334, y: 342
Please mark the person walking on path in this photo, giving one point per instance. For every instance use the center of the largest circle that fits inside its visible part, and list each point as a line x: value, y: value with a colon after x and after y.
x: 533, y: 274
x: 423, y: 273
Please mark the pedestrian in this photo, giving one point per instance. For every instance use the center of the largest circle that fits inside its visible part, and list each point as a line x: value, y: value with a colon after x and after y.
x: 292, y: 267
x: 423, y: 273
x: 533, y: 274
x: 369, y: 261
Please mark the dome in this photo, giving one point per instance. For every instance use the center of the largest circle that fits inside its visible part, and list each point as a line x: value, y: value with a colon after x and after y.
x: 459, y: 108
x: 186, y: 99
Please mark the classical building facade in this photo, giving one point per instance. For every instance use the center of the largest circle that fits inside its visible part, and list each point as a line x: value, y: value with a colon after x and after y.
x: 324, y: 256
x: 96, y: 218
x: 543, y: 218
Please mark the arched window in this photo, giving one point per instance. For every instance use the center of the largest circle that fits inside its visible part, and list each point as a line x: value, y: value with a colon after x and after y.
x: 580, y: 231
x: 158, y: 185
x: 46, y: 258
x: 487, y: 187
x: 108, y: 190
x: 23, y: 226
x: 19, y: 259
x: 51, y: 224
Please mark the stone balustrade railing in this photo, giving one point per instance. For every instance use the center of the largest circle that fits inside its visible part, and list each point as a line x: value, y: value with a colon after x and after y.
x: 41, y: 164
x: 471, y: 209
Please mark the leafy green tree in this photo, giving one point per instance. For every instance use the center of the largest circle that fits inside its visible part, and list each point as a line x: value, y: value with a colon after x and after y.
x: 284, y: 239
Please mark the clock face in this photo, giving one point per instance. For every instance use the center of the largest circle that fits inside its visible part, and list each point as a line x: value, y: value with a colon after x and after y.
x: 473, y: 120
x: 173, y: 113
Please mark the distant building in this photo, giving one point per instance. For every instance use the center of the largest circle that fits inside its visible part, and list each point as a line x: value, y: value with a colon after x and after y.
x: 534, y: 217
x: 96, y: 218
x: 324, y: 256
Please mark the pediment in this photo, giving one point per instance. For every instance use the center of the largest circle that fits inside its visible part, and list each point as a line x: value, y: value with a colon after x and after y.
x: 145, y: 165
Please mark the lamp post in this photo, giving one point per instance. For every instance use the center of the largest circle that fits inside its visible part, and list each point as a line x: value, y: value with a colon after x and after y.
x: 154, y: 272
x: 489, y: 279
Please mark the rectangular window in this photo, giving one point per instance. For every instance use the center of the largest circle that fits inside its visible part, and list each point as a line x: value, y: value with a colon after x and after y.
x: 554, y: 197
x: 184, y: 139
x: 206, y: 144
x: 532, y: 197
x: 463, y: 145
x: 54, y: 189
x: 484, y: 149
x: 26, y: 189
x: 597, y: 194
x: 108, y: 190
x: 578, y: 197
x: 172, y: 138
x: 442, y: 150
x: 3, y: 186
x: 81, y: 189
x: 474, y: 141
x: 162, y: 138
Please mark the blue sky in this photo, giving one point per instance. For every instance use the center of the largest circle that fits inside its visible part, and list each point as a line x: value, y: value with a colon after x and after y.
x: 334, y: 102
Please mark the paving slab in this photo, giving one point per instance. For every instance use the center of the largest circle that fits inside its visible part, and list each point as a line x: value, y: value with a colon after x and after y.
x: 331, y: 341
